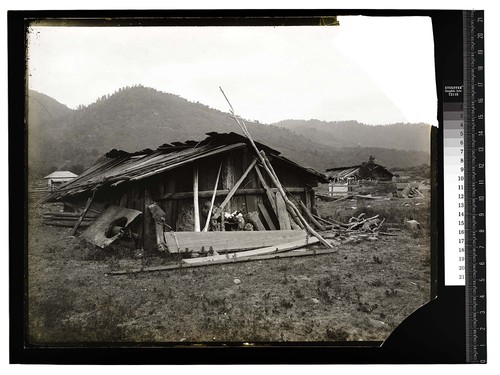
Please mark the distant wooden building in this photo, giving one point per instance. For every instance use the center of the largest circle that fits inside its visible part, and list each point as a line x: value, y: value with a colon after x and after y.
x: 342, y: 178
x: 165, y: 176
x: 57, y: 178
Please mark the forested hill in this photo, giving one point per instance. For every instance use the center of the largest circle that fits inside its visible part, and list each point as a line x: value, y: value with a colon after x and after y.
x: 399, y: 136
x: 138, y: 117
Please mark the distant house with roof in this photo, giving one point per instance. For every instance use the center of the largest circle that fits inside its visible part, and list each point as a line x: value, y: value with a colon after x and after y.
x: 340, y: 178
x: 364, y: 171
x: 57, y: 178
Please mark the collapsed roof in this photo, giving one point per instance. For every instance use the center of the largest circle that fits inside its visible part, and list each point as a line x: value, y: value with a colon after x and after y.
x: 121, y: 166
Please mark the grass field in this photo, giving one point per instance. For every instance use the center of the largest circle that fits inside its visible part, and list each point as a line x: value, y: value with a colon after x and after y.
x: 360, y: 293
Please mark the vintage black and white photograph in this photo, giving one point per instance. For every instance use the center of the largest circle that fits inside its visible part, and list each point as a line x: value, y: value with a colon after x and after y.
x: 228, y: 184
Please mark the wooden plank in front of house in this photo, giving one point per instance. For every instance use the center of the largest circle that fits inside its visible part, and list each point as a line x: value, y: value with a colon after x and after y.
x: 261, y: 251
x: 229, y: 241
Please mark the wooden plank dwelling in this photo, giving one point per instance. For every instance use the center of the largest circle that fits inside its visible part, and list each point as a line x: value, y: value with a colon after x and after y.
x: 57, y: 178
x: 347, y: 179
x: 175, y: 185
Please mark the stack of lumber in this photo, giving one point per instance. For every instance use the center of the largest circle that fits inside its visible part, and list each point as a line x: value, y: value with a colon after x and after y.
x: 68, y: 219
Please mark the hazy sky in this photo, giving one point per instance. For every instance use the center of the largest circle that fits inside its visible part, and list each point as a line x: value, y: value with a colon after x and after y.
x: 370, y: 69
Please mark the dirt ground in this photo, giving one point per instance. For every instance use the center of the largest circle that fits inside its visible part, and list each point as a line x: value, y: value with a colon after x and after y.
x: 360, y: 293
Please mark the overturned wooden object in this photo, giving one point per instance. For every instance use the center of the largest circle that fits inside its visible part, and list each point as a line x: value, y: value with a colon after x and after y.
x: 96, y: 233
x: 178, y: 242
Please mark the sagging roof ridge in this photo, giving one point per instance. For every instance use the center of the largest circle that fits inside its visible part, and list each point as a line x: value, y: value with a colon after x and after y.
x: 128, y: 167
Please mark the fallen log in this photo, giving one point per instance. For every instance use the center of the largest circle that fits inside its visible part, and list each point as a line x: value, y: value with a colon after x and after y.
x: 65, y: 223
x: 70, y: 214
x: 64, y: 218
x: 176, y: 266
x: 79, y: 208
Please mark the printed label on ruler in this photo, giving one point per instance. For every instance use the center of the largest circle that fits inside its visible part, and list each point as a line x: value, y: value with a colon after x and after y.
x: 454, y: 176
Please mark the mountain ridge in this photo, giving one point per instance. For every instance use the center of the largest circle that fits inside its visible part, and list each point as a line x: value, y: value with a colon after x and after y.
x: 400, y: 136
x: 139, y: 117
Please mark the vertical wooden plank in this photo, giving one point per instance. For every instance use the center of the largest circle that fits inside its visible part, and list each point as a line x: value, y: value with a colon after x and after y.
x: 283, y: 218
x: 239, y: 201
x: 148, y: 231
x: 228, y: 177
x: 307, y: 199
x: 169, y: 186
x: 250, y: 181
x: 182, y: 181
x: 195, y: 201
x: 123, y: 200
x: 267, y: 217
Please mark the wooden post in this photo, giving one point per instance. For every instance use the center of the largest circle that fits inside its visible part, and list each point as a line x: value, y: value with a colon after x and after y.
x: 195, y: 201
x: 308, y: 198
x: 209, y: 216
x: 227, y: 176
x: 84, y: 212
x: 149, y: 239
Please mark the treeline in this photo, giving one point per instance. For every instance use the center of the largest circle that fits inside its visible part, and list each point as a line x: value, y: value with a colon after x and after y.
x: 137, y: 117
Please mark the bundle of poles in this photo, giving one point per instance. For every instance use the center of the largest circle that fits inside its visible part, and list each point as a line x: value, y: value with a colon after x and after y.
x: 266, y: 165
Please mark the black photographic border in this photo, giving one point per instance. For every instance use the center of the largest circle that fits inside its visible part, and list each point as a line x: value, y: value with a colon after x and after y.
x: 433, y: 334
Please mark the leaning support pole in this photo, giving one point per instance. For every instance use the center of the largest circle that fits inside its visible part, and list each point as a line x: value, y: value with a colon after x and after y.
x: 237, y: 184
x: 311, y: 217
x: 195, y: 201
x: 84, y: 212
x: 276, y: 182
x: 209, y: 216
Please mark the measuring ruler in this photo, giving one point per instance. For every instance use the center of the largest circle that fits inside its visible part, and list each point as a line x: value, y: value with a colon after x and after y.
x: 475, y: 222
x: 464, y: 185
